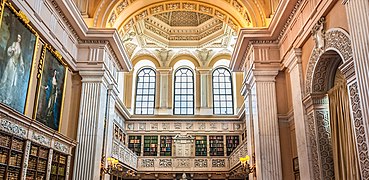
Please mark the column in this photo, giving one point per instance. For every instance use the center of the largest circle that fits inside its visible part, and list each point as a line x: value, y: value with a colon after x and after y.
x: 90, y: 125
x: 249, y: 126
x: 293, y: 64
x: 357, y: 14
x: 112, y: 95
x: 265, y: 121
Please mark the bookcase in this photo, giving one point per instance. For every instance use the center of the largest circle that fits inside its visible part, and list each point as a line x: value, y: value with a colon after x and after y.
x: 201, y: 146
x: 166, y: 145
x: 134, y: 144
x: 231, y: 143
x: 58, y: 166
x: 150, y: 146
x: 11, y: 156
x: 37, y: 162
x: 216, y: 144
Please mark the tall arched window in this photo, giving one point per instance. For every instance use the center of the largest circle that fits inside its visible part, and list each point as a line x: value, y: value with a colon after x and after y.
x: 145, y: 91
x: 222, y: 91
x: 184, y: 91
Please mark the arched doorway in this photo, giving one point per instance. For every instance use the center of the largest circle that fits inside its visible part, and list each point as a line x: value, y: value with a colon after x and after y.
x: 331, y: 74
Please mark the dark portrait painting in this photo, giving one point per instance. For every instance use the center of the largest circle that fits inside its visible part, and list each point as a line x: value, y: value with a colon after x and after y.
x: 17, y: 46
x: 51, y: 90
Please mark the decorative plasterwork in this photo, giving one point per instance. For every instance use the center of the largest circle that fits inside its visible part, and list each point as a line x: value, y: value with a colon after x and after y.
x: 361, y: 137
x: 168, y: 7
x: 335, y: 39
x: 183, y: 18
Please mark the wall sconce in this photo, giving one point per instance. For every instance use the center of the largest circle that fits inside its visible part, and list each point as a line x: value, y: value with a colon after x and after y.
x: 115, y: 168
x: 246, y: 166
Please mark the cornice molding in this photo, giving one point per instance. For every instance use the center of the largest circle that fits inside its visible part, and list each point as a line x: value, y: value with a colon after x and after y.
x: 70, y: 14
x: 270, y: 35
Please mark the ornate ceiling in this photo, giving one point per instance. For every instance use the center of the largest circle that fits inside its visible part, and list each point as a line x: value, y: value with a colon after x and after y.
x: 154, y: 26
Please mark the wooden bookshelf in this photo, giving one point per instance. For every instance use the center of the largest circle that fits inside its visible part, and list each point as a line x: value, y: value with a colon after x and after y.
x: 134, y: 144
x: 166, y: 143
x: 11, y: 156
x: 201, y: 146
x: 231, y: 143
x: 37, y: 162
x: 150, y: 145
x: 58, y: 166
x: 216, y: 144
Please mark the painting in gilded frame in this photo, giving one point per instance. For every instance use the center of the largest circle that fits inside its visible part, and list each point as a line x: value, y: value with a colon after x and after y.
x: 51, y: 88
x: 18, y: 42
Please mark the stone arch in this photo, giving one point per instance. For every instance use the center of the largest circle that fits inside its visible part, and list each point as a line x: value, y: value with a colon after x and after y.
x: 218, y: 57
x: 185, y: 56
x: 337, y: 40
x: 150, y: 58
x: 336, y: 55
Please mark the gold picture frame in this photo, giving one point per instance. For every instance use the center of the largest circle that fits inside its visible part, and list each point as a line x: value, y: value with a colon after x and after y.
x: 18, y: 47
x: 52, y: 80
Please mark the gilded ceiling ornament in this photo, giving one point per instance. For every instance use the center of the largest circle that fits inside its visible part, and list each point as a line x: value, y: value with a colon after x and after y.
x: 189, y: 6
x: 121, y: 6
x: 173, y: 6
x: 112, y: 19
x: 157, y: 9
x: 205, y: 9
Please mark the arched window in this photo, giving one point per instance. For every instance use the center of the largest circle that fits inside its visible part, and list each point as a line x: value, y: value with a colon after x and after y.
x: 184, y: 91
x: 222, y: 91
x: 145, y: 91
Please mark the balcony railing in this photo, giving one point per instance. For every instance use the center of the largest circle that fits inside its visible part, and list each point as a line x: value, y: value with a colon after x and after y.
x: 194, y: 164
x: 240, y: 151
x: 124, y: 155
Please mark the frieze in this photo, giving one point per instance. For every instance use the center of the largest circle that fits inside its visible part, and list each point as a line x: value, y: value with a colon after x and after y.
x: 61, y: 147
x: 201, y: 126
x: 177, y: 126
x: 142, y: 126
x: 41, y: 139
x: 154, y: 126
x: 189, y: 126
x: 166, y: 126
x: 13, y: 128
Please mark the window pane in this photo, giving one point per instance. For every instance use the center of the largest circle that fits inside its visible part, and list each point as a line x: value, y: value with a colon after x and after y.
x: 183, y: 90
x: 145, y: 91
x: 222, y: 91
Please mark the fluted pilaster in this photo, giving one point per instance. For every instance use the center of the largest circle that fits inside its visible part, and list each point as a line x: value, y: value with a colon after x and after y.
x: 357, y: 13
x: 265, y: 121
x: 293, y: 64
x: 90, y: 126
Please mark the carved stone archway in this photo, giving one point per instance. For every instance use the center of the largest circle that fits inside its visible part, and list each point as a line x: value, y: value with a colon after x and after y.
x: 316, y: 103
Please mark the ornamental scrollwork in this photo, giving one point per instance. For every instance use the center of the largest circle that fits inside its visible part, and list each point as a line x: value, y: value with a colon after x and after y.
x: 165, y: 163
x: 13, y: 128
x: 41, y: 139
x: 61, y: 147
